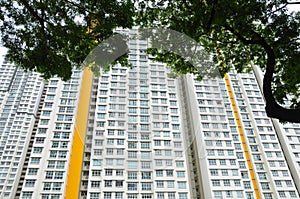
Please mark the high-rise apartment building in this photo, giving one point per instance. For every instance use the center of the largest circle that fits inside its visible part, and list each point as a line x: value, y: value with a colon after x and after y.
x: 36, y: 133
x: 138, y: 134
x: 239, y: 150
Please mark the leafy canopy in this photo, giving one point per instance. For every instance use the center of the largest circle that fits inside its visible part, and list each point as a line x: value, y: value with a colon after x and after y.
x: 52, y: 36
x: 240, y: 33
x: 231, y: 30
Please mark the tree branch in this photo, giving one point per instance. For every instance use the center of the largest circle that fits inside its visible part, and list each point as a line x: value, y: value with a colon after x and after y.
x: 212, y: 15
x: 241, y: 37
x: 285, y: 5
x: 33, y: 12
x: 273, y: 109
x: 80, y: 7
x: 293, y: 3
x: 41, y: 21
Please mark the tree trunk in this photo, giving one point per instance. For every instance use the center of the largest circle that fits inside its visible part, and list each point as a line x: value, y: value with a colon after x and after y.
x: 273, y: 109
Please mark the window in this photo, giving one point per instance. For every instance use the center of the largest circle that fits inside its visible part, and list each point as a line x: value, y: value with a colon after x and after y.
x: 107, y: 195
x: 95, y: 184
x: 168, y: 152
x: 118, y: 195
x: 26, y: 195
x: 262, y: 176
x: 132, y: 164
x: 179, y: 163
x: 212, y: 162
x: 181, y: 185
x: 145, y: 136
x: 32, y: 171
x: 226, y: 182
x: 281, y: 194
x: 56, y: 186
x: 132, y: 186
x: 160, y: 184
x: 120, y: 162
x: 132, y: 175
x: 146, y: 186
x: 169, y: 172
x: 109, y: 161
x: 229, y: 194
x: 49, y: 174
x: 146, y: 175
x: 224, y: 172
x: 237, y: 183
x: 278, y: 183
x: 145, y: 145
x: 158, y: 162
x: 110, y: 141
x: 109, y: 151
x: 108, y: 183
x: 170, y: 184
x: 147, y: 196
x: 145, y: 155
x: 47, y: 186
x: 288, y: 183
x: 39, y: 140
x: 96, y: 162
x: 132, y: 196
x: 247, y: 185
x: 216, y: 183
x: 51, y: 89
x: 159, y: 173
x: 169, y: 162
x: 132, y: 145
x: 178, y: 154
x: 144, y: 110
x: 42, y: 130
x: 171, y: 195
x: 108, y: 172
x: 285, y: 173
x: 183, y: 196
x: 210, y: 152
x: 96, y: 172
x: 217, y: 194
x: 157, y: 142
x: 275, y: 173
x: 293, y: 194
x: 50, y: 97
x: 160, y: 195
x: 97, y: 152
x: 29, y: 183
x: 282, y: 163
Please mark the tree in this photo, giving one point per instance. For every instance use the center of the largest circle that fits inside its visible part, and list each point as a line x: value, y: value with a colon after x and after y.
x: 237, y: 33
x: 52, y: 36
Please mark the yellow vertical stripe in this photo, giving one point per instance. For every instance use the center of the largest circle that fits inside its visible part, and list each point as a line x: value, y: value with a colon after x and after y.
x: 243, y: 138
x: 73, y: 178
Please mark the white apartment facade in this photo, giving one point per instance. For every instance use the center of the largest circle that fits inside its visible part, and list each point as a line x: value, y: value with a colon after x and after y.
x: 136, y: 133
x: 242, y: 152
x: 20, y: 94
x: 135, y: 144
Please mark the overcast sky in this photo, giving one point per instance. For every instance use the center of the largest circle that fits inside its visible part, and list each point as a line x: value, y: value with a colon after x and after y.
x: 2, y: 52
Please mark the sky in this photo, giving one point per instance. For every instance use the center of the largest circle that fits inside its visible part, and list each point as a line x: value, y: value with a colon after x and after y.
x: 2, y: 53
